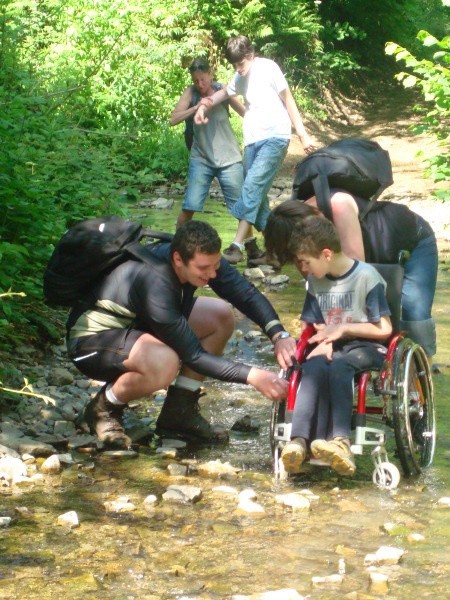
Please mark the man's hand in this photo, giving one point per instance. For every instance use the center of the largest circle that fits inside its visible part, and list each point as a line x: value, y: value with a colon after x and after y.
x: 268, y: 383
x: 284, y: 351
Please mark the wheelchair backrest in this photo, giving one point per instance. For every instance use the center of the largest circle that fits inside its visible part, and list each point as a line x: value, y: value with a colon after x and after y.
x: 393, y: 276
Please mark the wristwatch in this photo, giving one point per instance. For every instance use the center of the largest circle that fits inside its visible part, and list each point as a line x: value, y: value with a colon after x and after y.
x: 283, y: 335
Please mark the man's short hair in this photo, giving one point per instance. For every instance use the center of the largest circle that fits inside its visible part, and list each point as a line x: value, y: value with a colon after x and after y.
x: 195, y: 236
x: 313, y: 235
x: 238, y: 48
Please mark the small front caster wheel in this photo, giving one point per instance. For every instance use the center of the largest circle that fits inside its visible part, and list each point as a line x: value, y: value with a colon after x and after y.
x: 386, y: 476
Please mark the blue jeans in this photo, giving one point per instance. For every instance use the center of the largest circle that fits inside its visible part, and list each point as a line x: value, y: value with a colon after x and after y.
x: 419, y: 286
x: 262, y: 160
x: 200, y: 176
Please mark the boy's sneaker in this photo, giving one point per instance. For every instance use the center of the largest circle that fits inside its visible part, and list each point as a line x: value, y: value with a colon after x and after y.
x: 233, y: 254
x: 293, y: 455
x: 335, y: 453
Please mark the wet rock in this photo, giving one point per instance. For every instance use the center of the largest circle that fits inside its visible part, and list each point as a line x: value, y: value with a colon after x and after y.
x: 69, y: 519
x: 246, y: 425
x: 120, y: 454
x: 51, y: 465
x: 80, y: 583
x: 277, y: 280
x: 378, y: 583
x: 121, y: 504
x: 247, y: 506
x: 184, y: 494
x: 385, y: 555
x: 444, y: 501
x: 160, y: 203
x: 215, y: 468
x: 150, y: 501
x: 60, y: 376
x: 35, y: 447
x: 247, y: 494
x: 225, y: 490
x: 295, y: 500
x: 284, y: 594
x: 177, y: 470
x: 413, y: 538
x: 253, y: 336
x: 328, y: 581
x: 64, y: 428
x: 5, y: 451
x: 168, y: 452
x: 169, y: 443
x: 12, y: 469
x: 254, y: 274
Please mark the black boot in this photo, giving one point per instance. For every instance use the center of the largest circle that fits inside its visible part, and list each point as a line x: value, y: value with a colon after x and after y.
x: 180, y: 417
x: 104, y: 420
x: 256, y: 256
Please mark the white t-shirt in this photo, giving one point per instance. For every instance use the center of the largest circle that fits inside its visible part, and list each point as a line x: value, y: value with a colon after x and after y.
x: 266, y: 115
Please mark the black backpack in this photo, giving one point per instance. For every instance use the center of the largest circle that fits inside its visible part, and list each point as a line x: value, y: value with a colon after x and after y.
x: 358, y: 166
x: 87, y: 252
x: 189, y: 122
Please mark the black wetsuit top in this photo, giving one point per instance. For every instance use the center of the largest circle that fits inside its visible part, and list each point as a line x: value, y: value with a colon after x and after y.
x: 159, y: 304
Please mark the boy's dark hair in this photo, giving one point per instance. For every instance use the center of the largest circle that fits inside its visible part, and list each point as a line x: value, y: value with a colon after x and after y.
x: 280, y: 224
x: 313, y: 235
x: 199, y: 64
x: 238, y: 48
x: 195, y: 236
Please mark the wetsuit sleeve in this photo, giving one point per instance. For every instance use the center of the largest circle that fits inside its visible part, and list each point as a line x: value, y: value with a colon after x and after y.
x: 230, y: 285
x: 155, y: 297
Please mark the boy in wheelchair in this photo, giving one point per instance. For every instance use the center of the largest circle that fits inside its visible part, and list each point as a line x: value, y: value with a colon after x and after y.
x: 347, y: 306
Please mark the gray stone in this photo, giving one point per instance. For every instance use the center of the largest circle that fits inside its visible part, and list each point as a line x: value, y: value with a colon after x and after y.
x: 183, y: 494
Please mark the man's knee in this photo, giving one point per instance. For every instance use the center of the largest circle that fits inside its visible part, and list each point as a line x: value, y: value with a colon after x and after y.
x: 211, y: 315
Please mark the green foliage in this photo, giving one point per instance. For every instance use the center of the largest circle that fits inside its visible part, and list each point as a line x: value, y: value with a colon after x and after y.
x: 87, y: 88
x: 432, y: 76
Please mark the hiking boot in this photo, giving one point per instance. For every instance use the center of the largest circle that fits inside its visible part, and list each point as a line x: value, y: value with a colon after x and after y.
x: 335, y: 453
x: 233, y: 254
x: 105, y: 421
x: 256, y: 256
x: 180, y: 417
x: 293, y: 455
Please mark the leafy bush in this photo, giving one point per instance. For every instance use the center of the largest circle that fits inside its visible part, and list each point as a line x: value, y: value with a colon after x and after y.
x: 432, y: 77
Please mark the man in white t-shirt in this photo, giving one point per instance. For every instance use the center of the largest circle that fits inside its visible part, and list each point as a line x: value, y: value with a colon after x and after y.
x: 271, y: 112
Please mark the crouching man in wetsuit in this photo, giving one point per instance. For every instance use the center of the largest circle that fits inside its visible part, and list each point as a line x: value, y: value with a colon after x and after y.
x: 144, y: 323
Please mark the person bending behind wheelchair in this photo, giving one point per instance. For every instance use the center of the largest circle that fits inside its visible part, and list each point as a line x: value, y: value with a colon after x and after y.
x: 347, y: 306
x: 142, y: 321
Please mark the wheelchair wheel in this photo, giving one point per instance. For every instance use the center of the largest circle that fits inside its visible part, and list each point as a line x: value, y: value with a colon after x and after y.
x: 413, y: 410
x: 386, y: 476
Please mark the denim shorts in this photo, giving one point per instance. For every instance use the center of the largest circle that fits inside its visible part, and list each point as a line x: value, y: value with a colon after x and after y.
x: 262, y: 161
x: 200, y: 176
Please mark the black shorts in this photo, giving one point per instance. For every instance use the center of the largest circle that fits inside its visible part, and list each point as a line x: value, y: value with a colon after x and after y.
x: 100, y: 356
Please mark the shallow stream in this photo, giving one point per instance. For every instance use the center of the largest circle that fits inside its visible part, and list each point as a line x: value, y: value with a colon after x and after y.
x: 210, y: 548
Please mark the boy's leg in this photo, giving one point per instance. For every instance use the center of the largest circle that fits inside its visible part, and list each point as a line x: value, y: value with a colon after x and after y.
x: 313, y: 387
x: 199, y: 180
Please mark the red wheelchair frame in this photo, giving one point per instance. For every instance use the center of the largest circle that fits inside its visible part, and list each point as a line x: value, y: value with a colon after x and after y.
x: 401, y: 398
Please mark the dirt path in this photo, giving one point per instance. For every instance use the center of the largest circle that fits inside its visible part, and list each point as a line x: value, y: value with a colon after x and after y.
x: 387, y: 123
